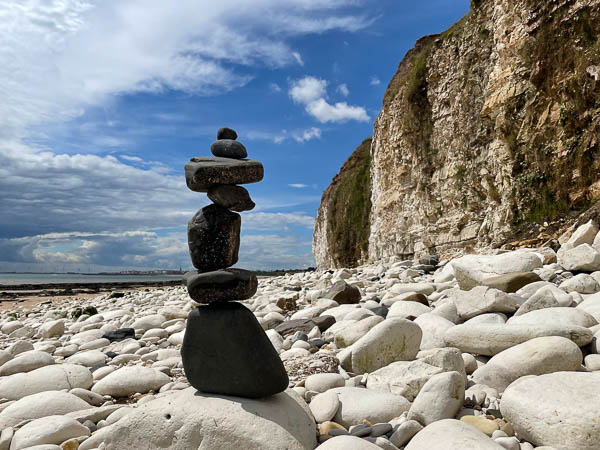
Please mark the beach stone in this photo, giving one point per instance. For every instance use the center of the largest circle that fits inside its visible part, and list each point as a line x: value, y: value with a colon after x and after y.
x: 90, y: 358
x: 322, y: 382
x: 214, y: 238
x: 39, y: 405
x: 203, y: 173
x: 292, y: 326
x: 26, y: 362
x: 226, y: 351
x: 221, y: 285
x: 591, y: 305
x: 11, y: 326
x: 433, y: 327
x: 583, y: 258
x: 404, y: 378
x: 226, y: 133
x: 324, y: 406
x: 148, y: 322
x: 47, y: 430
x: 481, y: 300
x: 89, y: 397
x: 405, y: 310
x: 128, y: 380
x: 511, y: 282
x: 387, y: 342
x: 552, y: 409
x: 190, y: 420
x: 473, y: 270
x: 5, y: 356
x: 54, y: 328
x: 228, y: 148
x: 482, y: 423
x: 355, y: 330
x: 440, y: 398
x: 234, y: 198
x: 450, y: 434
x: 359, y: 403
x: 348, y: 443
x: 119, y: 335
x: 557, y: 316
x: 343, y: 293
x: 540, y: 300
x: 584, y: 234
x: 582, y: 283
x: 405, y: 432
x: 490, y: 339
x: 535, y: 357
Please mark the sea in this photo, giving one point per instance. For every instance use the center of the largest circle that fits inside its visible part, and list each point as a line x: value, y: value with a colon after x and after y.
x: 15, y: 279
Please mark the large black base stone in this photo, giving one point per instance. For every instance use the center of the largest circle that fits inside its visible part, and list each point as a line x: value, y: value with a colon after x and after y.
x: 214, y: 238
x: 225, y: 351
x: 221, y: 285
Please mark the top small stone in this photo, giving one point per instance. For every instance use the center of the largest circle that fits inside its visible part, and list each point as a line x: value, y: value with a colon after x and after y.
x: 226, y: 133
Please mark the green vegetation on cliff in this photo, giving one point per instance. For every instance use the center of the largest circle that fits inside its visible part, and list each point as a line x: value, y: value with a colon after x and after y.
x: 349, y: 208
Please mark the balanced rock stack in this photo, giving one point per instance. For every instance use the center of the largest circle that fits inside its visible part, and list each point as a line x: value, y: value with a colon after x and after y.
x: 225, y: 350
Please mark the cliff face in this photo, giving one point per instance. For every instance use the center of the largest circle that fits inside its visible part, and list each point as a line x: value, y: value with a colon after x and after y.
x: 486, y: 127
x: 341, y: 235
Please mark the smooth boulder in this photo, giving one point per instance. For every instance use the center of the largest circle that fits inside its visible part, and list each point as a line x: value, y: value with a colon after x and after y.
x: 359, y: 403
x: 47, y: 430
x: 201, y: 173
x: 440, y: 398
x: 192, y: 420
x: 235, y: 198
x: 129, y: 380
x: 450, y: 434
x: 559, y: 410
x: 221, y: 285
x: 228, y: 148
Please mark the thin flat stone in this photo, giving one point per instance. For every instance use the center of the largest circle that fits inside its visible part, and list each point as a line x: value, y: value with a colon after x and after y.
x: 214, y: 238
x: 221, y: 285
x: 225, y: 351
x: 235, y: 198
x: 201, y: 173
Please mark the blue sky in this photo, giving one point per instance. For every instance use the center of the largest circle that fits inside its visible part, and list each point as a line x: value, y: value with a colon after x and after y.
x: 104, y: 102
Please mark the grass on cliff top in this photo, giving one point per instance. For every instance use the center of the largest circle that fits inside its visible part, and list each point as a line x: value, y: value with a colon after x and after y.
x: 349, y: 215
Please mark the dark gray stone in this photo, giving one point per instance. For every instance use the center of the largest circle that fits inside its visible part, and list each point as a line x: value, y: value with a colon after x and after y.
x: 225, y: 351
x: 203, y: 173
x: 221, y: 285
x: 119, y: 335
x: 323, y: 322
x: 291, y: 326
x: 235, y: 198
x: 511, y: 282
x: 226, y: 133
x: 228, y: 148
x: 343, y: 293
x: 381, y: 311
x: 214, y: 238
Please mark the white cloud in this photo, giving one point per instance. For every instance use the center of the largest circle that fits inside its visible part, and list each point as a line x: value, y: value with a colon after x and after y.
x: 57, y: 57
x: 375, y: 81
x: 307, y: 135
x: 131, y: 158
x: 298, y: 185
x: 343, y: 89
x: 274, y: 87
x: 298, y: 57
x: 312, y: 93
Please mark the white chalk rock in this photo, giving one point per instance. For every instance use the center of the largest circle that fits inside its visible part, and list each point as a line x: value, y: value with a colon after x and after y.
x: 26, y: 362
x: 433, y: 327
x: 47, y: 430
x: 359, y: 403
x: 127, y: 381
x: 450, y: 434
x: 555, y: 316
x: 440, y: 398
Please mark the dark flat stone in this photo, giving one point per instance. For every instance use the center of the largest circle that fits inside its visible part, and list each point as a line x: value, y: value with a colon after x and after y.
x: 292, y: 326
x: 203, y: 173
x: 119, y: 335
x: 323, y: 322
x: 225, y: 351
x: 228, y: 148
x: 226, y: 133
x: 214, y: 238
x: 221, y: 285
x: 511, y: 282
x: 235, y: 198
x: 343, y: 293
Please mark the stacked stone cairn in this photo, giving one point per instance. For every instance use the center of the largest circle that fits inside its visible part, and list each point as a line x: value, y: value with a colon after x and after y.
x: 225, y: 350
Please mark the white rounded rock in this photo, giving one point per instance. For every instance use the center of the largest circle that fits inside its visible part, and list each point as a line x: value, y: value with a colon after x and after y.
x: 389, y: 341
x: 42, y: 404
x: 440, y: 398
x: 557, y: 410
x: 191, y: 420
x: 556, y: 316
x: 404, y: 378
x: 26, y: 362
x: 47, y: 430
x: 324, y: 406
x: 359, y: 403
x: 54, y: 328
x: 433, y: 327
x: 535, y: 357
x: 405, y: 310
x: 321, y: 382
x: 127, y: 381
x: 354, y: 330
x: 348, y: 443
x: 90, y: 358
x: 450, y: 434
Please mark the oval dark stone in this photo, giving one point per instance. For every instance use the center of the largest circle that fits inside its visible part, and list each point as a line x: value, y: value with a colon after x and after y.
x: 225, y: 351
x: 235, y: 198
x: 228, y: 148
x: 221, y: 285
x: 226, y: 133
